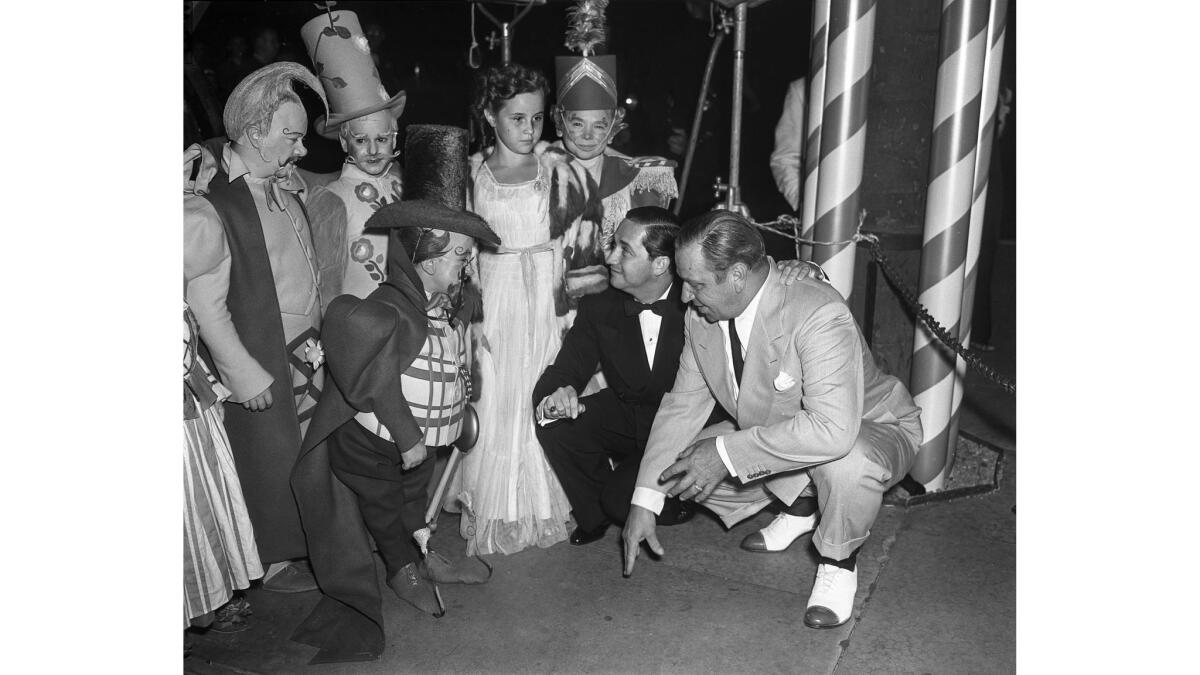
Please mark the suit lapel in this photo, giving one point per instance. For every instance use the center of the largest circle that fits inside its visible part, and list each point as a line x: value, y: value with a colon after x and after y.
x: 670, y: 336
x: 710, y: 357
x: 763, y: 352
x: 632, y: 344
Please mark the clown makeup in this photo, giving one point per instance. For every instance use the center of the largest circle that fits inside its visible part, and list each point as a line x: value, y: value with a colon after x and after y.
x: 586, y: 132
x: 370, y: 143
x: 283, y: 143
x: 518, y: 122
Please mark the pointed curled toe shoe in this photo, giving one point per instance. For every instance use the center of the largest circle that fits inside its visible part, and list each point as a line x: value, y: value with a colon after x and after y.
x: 417, y: 591
x: 832, y: 598
x: 296, y: 577
x: 780, y: 534
x: 471, y: 570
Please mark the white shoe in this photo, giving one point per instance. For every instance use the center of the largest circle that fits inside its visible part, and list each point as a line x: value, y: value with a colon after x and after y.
x: 780, y: 534
x: 832, y: 598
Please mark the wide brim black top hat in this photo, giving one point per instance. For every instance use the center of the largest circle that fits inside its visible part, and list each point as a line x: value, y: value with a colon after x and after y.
x: 427, y: 213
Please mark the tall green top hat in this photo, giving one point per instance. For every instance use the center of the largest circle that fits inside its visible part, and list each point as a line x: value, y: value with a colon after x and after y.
x: 587, y: 81
x: 342, y: 60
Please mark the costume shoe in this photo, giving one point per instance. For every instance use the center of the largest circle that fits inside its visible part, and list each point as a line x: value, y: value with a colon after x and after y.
x: 780, y: 534
x: 296, y: 577
x: 439, y: 568
x: 832, y: 598
x: 417, y: 591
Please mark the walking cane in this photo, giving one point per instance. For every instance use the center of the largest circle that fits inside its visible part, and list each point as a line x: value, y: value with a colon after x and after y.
x: 466, y: 441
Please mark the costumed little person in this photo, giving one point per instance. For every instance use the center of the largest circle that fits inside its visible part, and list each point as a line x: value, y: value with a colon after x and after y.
x: 587, y: 117
x: 364, y: 119
x: 398, y: 390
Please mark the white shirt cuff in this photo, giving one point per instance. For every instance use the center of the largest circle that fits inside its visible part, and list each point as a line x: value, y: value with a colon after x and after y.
x: 649, y: 498
x: 725, y: 456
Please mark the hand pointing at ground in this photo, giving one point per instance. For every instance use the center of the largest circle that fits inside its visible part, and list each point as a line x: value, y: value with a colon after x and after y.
x: 639, y: 527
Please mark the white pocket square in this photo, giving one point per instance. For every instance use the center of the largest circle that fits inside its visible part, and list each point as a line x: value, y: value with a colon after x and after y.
x: 784, y: 382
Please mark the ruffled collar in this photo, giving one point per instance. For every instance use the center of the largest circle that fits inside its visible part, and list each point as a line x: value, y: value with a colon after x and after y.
x: 353, y: 172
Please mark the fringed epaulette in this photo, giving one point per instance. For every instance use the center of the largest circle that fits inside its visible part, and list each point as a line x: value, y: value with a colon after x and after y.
x: 656, y: 174
x: 650, y: 160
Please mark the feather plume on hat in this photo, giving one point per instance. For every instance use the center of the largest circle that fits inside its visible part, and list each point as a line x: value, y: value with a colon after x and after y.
x: 586, y: 27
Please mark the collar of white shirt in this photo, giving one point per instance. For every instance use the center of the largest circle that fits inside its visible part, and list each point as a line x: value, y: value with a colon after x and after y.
x: 744, y: 323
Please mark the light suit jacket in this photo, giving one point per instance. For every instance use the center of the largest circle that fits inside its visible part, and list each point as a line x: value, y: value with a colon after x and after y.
x: 808, y: 382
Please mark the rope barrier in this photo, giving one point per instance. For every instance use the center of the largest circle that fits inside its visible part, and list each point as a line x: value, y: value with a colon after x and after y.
x: 872, y: 243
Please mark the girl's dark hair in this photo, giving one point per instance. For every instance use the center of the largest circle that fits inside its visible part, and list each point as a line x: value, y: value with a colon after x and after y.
x: 498, y: 84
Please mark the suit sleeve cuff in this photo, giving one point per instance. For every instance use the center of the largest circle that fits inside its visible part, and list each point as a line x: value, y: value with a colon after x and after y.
x: 649, y: 499
x: 725, y: 456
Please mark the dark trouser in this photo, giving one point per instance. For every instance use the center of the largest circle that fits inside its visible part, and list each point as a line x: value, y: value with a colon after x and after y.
x: 578, y: 450
x: 392, y: 500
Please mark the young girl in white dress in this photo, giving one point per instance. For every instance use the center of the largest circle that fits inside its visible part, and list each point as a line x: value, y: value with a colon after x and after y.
x: 509, y: 495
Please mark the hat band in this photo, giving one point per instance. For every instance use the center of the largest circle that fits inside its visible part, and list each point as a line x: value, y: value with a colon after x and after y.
x: 586, y: 69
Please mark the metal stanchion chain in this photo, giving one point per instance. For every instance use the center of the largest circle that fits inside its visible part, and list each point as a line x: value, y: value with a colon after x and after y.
x: 872, y: 242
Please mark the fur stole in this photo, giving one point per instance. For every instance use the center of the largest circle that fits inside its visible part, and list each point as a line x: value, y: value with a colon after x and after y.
x: 575, y: 214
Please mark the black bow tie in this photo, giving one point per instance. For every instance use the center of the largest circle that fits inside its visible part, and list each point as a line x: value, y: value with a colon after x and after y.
x: 633, y: 307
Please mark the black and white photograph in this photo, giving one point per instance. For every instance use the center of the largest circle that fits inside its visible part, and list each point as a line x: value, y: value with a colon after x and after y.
x: 519, y: 332
x: 598, y: 336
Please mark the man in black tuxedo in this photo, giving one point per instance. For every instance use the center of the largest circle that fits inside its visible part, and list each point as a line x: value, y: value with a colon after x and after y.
x: 634, y: 332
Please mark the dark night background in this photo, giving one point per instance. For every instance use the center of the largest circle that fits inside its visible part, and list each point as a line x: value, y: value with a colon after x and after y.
x: 662, y: 47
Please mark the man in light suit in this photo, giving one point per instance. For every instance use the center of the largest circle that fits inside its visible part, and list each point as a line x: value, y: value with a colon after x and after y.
x: 791, y: 366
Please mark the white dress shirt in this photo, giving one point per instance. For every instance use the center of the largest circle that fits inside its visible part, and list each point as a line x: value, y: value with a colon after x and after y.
x: 651, y: 324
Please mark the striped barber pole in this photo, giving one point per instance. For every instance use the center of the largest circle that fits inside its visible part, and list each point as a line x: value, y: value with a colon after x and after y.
x: 983, y: 163
x: 843, y: 136
x: 964, y: 41
x: 819, y: 48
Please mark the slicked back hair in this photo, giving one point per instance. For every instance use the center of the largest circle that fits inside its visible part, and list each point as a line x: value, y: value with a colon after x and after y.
x: 725, y: 238
x: 660, y: 227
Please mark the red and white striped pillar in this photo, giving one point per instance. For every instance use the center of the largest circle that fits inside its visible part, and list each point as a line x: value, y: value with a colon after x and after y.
x: 851, y: 31
x: 818, y: 50
x: 964, y: 41
x: 983, y: 162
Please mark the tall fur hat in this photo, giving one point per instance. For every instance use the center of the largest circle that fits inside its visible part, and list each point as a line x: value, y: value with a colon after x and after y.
x: 435, y: 191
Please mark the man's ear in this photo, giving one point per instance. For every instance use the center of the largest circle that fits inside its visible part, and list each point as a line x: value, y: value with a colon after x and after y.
x: 738, y: 270
x: 428, y: 265
x: 254, y: 135
x: 660, y: 265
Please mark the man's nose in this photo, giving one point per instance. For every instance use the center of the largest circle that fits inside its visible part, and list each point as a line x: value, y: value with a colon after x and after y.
x: 613, y: 256
x: 300, y: 150
x: 686, y: 295
x: 373, y: 146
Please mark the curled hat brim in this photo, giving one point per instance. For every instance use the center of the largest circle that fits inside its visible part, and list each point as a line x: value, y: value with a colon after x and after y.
x: 327, y: 126
x: 429, y: 214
